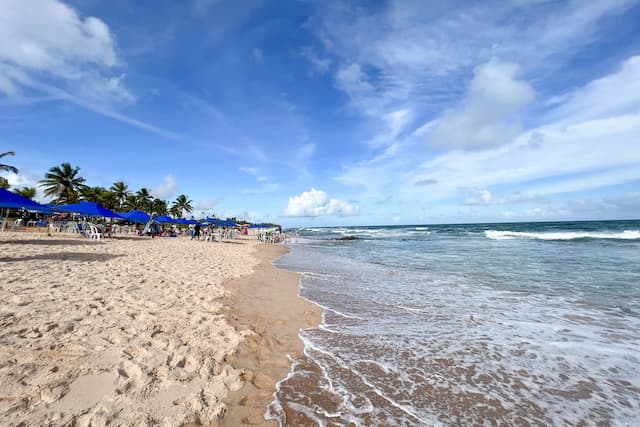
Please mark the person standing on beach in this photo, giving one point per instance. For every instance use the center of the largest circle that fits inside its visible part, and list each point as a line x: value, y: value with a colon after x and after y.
x: 197, y: 231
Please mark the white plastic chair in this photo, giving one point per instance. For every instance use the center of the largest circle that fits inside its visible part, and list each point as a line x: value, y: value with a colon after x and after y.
x: 94, y: 233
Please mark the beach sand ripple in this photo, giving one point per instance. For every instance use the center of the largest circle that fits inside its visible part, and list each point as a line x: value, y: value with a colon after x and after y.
x: 128, y: 331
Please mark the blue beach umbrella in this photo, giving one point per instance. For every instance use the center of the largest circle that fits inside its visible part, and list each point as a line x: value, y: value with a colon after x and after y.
x: 162, y: 219
x: 136, y: 216
x: 215, y: 222
x: 12, y: 200
x: 88, y: 208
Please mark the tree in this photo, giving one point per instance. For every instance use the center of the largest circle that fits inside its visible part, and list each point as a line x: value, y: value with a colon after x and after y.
x: 144, y: 199
x: 8, y: 168
x: 175, y: 211
x: 28, y: 192
x: 63, y: 183
x: 131, y: 203
x: 160, y: 207
x: 110, y: 201
x: 92, y: 194
x: 182, y: 204
x: 121, y: 192
x: 4, y: 183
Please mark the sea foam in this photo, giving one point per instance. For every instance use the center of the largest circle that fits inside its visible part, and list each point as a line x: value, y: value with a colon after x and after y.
x: 561, y: 235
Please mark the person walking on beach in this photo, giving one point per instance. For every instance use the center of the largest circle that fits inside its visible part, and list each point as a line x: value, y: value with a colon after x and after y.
x: 196, y: 230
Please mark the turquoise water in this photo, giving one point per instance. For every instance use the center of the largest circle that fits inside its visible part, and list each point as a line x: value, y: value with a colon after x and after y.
x: 468, y: 324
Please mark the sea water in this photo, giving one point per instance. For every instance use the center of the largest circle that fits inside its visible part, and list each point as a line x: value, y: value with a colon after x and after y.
x: 482, y: 324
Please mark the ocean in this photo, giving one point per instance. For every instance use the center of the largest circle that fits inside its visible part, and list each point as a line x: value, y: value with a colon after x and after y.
x: 478, y: 324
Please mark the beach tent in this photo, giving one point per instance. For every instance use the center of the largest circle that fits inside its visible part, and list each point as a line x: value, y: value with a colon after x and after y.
x: 191, y: 221
x: 88, y: 208
x: 10, y: 200
x: 162, y: 219
x: 136, y: 216
x: 258, y: 226
x: 215, y: 222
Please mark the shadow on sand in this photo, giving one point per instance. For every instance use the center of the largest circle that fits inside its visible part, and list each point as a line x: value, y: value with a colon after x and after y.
x: 52, y: 242
x: 65, y: 256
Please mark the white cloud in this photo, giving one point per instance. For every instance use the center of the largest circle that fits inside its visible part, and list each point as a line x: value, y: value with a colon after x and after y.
x: 250, y: 171
x: 538, y: 213
x: 627, y: 201
x: 489, y: 112
x: 167, y: 189
x: 22, y: 179
x: 47, y: 48
x: 316, y: 203
x: 255, y: 172
x: 46, y: 38
x: 404, y: 56
x: 258, y: 54
x: 262, y: 189
x: 319, y: 64
x: 205, y: 204
x: 478, y: 197
x: 612, y: 94
x: 563, y: 156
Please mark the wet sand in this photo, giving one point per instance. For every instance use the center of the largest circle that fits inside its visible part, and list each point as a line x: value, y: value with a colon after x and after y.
x: 267, y: 305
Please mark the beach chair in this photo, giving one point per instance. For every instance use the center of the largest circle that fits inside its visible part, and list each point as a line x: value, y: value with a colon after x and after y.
x: 16, y: 224
x: 94, y: 233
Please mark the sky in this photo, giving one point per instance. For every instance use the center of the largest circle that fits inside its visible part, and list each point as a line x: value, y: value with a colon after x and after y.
x: 321, y: 113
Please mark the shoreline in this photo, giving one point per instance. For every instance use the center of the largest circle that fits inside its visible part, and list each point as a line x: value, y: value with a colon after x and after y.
x: 265, y: 303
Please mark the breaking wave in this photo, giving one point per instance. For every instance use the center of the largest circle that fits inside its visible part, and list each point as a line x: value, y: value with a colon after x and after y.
x: 562, y: 235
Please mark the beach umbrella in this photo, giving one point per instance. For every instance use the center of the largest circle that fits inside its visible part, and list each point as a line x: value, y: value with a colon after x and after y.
x: 136, y: 216
x: 191, y: 221
x: 88, y: 208
x: 165, y: 219
x: 10, y: 200
x: 258, y: 226
x: 214, y: 221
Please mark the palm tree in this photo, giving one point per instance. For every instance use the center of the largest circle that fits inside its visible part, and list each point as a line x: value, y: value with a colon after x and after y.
x: 7, y: 168
x: 175, y: 211
x: 159, y: 207
x: 110, y: 201
x: 28, y: 192
x: 144, y: 199
x: 92, y: 194
x: 63, y: 183
x: 131, y: 203
x: 182, y: 204
x: 121, y: 191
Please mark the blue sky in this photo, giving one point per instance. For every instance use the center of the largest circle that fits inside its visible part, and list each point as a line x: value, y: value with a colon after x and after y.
x: 333, y: 113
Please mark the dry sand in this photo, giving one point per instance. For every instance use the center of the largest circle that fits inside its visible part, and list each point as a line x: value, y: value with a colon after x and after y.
x: 133, y: 331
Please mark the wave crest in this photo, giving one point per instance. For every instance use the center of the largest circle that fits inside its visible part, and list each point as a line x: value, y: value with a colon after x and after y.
x: 562, y: 235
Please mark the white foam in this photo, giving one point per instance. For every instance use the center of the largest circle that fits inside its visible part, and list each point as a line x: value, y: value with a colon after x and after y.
x: 562, y: 235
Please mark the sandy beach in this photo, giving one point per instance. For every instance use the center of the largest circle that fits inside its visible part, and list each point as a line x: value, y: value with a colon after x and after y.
x: 135, y: 331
